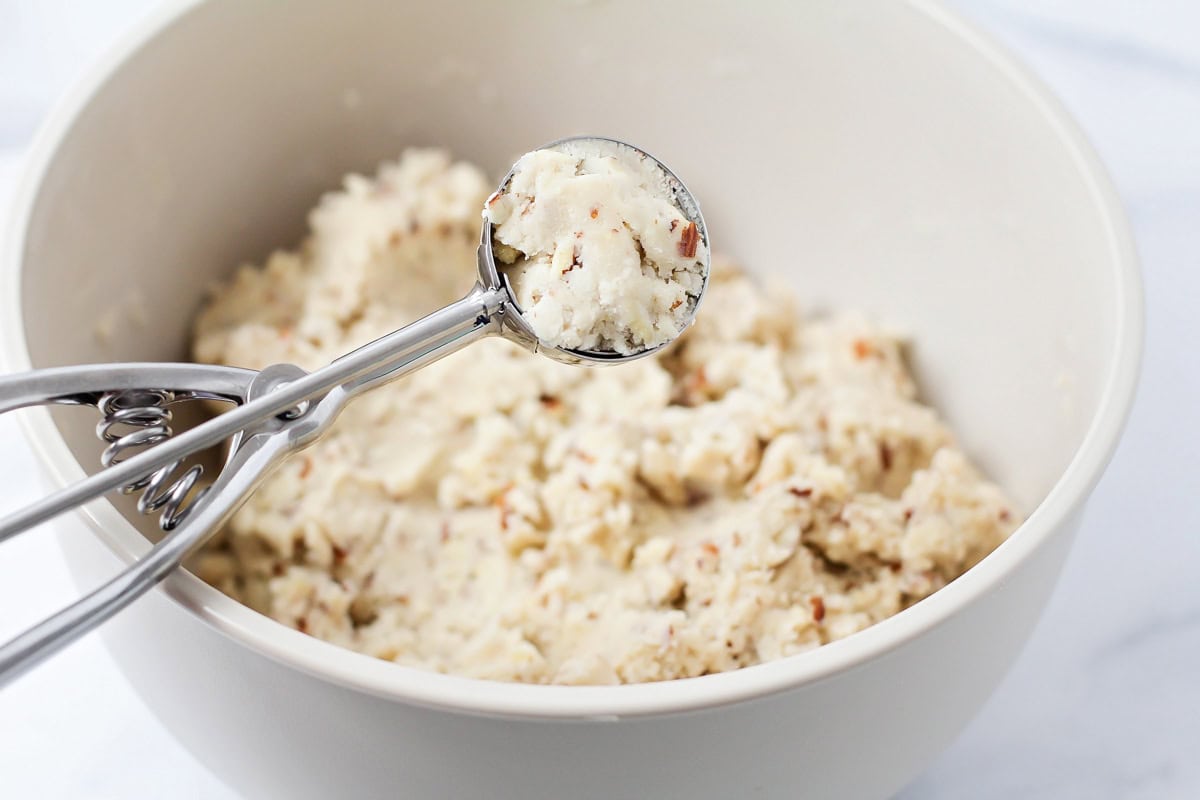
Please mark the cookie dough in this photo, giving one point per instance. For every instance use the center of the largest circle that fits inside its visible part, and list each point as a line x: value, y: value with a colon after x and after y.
x: 769, y: 484
x: 598, y: 255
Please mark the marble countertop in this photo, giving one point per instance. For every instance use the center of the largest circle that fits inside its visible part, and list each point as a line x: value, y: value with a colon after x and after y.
x: 1104, y: 702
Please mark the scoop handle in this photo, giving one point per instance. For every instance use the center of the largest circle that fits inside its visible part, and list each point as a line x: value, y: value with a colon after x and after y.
x: 286, y: 409
x: 383, y: 360
x: 246, y: 469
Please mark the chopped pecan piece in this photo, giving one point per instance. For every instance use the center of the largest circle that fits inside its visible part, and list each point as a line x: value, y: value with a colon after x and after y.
x: 689, y: 240
x: 818, y: 608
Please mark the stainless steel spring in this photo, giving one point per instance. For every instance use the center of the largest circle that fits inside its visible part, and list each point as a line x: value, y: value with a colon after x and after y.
x: 133, y: 420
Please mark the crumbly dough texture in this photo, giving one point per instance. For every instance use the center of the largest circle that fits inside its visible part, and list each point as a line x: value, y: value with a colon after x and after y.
x: 768, y: 485
x: 598, y: 255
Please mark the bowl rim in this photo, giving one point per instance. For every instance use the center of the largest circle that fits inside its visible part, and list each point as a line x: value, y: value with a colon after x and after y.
x: 466, y: 695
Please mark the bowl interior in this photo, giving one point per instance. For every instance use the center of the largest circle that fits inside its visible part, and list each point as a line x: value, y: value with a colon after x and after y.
x: 855, y: 152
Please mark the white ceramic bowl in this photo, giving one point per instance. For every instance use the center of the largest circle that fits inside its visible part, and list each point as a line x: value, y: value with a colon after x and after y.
x: 880, y: 155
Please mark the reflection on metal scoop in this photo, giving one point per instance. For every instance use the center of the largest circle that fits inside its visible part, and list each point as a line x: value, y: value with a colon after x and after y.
x: 277, y: 411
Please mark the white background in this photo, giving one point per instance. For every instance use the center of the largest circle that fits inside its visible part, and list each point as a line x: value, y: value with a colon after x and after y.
x: 1105, y: 701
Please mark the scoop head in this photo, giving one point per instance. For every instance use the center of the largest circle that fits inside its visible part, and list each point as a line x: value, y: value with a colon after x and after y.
x: 515, y: 327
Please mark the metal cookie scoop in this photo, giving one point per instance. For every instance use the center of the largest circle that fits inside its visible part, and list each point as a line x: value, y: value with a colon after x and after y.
x: 278, y: 410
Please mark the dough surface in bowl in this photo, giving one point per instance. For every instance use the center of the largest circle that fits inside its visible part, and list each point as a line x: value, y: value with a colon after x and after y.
x: 769, y: 484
